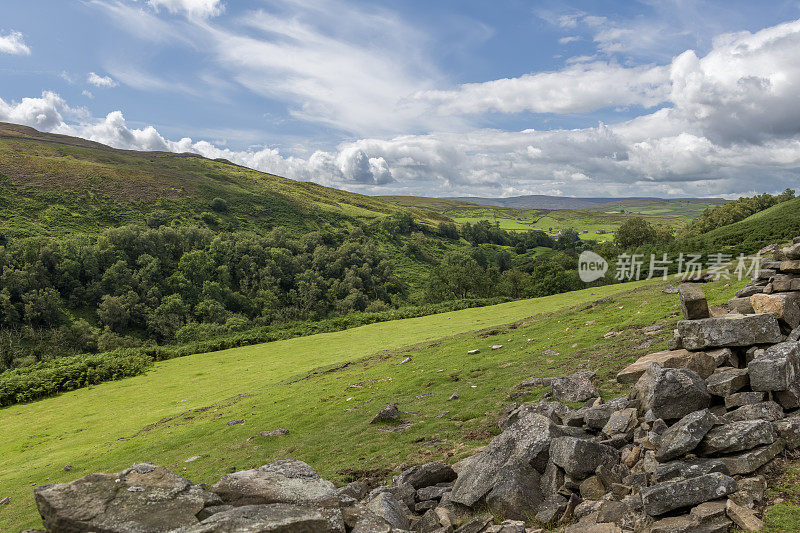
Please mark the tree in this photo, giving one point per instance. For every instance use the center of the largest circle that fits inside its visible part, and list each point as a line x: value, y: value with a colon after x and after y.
x: 42, y: 307
x: 219, y: 205
x: 635, y: 232
x: 168, y: 317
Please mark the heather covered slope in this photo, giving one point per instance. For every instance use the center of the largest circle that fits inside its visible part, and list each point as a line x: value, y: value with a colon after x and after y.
x: 55, y: 184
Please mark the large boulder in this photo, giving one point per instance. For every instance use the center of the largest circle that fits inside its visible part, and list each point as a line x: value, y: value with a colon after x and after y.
x: 784, y: 306
x: 284, y: 481
x: 670, y: 393
x: 388, y: 507
x: 272, y: 518
x: 684, y: 436
x: 670, y: 495
x: 526, y: 442
x: 577, y: 387
x: 738, y: 436
x: 143, y: 498
x: 729, y: 330
x: 552, y: 410
x: 701, y: 362
x: 516, y: 494
x: 752, y: 460
x: 693, y: 301
x: 777, y: 369
x: 740, y: 306
x: 757, y: 411
x: 686, y: 468
x: 579, y: 457
x: 725, y: 381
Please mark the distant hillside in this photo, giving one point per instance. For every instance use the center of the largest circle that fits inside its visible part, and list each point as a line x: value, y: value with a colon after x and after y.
x: 683, y: 207
x: 56, y: 184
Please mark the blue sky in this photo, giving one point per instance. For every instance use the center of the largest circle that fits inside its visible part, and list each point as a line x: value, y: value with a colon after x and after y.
x: 672, y: 98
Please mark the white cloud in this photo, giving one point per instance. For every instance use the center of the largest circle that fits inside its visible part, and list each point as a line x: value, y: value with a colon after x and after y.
x: 580, y: 87
x: 13, y: 43
x: 193, y: 8
x: 87, y: 94
x: 569, y: 39
x: 101, y: 81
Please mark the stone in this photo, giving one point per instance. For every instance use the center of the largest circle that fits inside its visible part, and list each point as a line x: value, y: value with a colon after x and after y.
x: 273, y: 517
x: 748, y: 291
x: 552, y: 410
x: 670, y: 393
x: 388, y: 507
x: 783, y: 306
x: 790, y: 267
x: 675, y: 343
x: 621, y: 422
x: 759, y: 411
x: 274, y: 433
x: 729, y: 330
x: 427, y: 474
x: 606, y: 527
x: 717, y: 310
x: 454, y: 396
x: 789, y: 398
x: 477, y: 524
x: 751, y: 491
x: 785, y: 283
x: 776, y: 369
x: 700, y: 362
x: 668, y: 496
x: 516, y: 494
x: 693, y: 301
x: 592, y: 488
x: 709, y: 511
x: 789, y: 430
x: 688, y: 468
x: 526, y: 442
x: 356, y: 490
x: 722, y: 357
x: 739, y: 399
x: 577, y: 387
x: 675, y: 524
x: 684, y: 436
x: 235, y: 422
x: 738, y: 436
x: 160, y: 501
x: 750, y: 461
x: 432, y: 493
x: 741, y: 306
x: 390, y: 413
x: 552, y: 480
x: 551, y: 509
x: 579, y: 458
x: 743, y: 517
x: 596, y: 417
x: 725, y: 381
x: 792, y: 251
x: 283, y: 481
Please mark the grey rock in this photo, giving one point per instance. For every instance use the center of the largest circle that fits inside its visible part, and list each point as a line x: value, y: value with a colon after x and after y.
x: 748, y: 291
x: 789, y: 431
x: 283, y: 481
x: 729, y: 330
x: 783, y: 306
x: 393, y: 511
x: 274, y: 433
x: 621, y: 422
x: 670, y: 393
x: 738, y: 436
x: 552, y: 410
x: 579, y: 458
x: 688, y: 468
x: 743, y: 398
x: 758, y: 411
x: 693, y: 301
x: 684, y: 436
x: 516, y: 494
x: 277, y: 518
x: 551, y: 509
x: 750, y: 461
x: 477, y: 524
x: 789, y: 398
x: 427, y: 474
x: 526, y: 442
x: 751, y: 491
x: 163, y: 501
x: 776, y: 369
x: 597, y: 417
x: 668, y: 496
x: 741, y: 306
x: 576, y: 387
x: 726, y: 381
x: 432, y: 493
x: 389, y: 413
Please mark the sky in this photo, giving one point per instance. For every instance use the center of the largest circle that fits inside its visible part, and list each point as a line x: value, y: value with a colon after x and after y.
x: 669, y: 98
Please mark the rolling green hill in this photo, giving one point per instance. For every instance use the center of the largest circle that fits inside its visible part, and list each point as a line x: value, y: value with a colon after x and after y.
x: 54, y: 185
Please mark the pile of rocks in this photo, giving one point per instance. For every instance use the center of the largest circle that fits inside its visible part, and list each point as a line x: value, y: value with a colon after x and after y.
x: 682, y: 452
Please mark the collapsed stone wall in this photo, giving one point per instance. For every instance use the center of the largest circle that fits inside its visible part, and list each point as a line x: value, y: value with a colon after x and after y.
x: 682, y: 452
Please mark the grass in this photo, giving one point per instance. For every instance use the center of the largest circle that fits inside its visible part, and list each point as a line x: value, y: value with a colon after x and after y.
x: 678, y: 207
x: 325, y: 388
x: 556, y: 219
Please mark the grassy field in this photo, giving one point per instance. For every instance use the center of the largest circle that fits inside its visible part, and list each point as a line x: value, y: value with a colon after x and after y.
x: 556, y: 219
x: 678, y: 207
x: 325, y: 388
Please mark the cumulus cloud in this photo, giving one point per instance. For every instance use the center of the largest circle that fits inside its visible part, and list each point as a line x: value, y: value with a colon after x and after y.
x: 579, y: 87
x: 728, y: 118
x: 101, y: 81
x: 193, y: 8
x: 13, y: 43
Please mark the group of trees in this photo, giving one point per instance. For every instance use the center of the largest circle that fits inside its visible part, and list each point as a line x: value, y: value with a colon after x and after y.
x: 735, y: 211
x: 135, y: 284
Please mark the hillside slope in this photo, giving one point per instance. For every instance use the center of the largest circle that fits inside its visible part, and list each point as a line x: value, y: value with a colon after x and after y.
x: 54, y: 184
